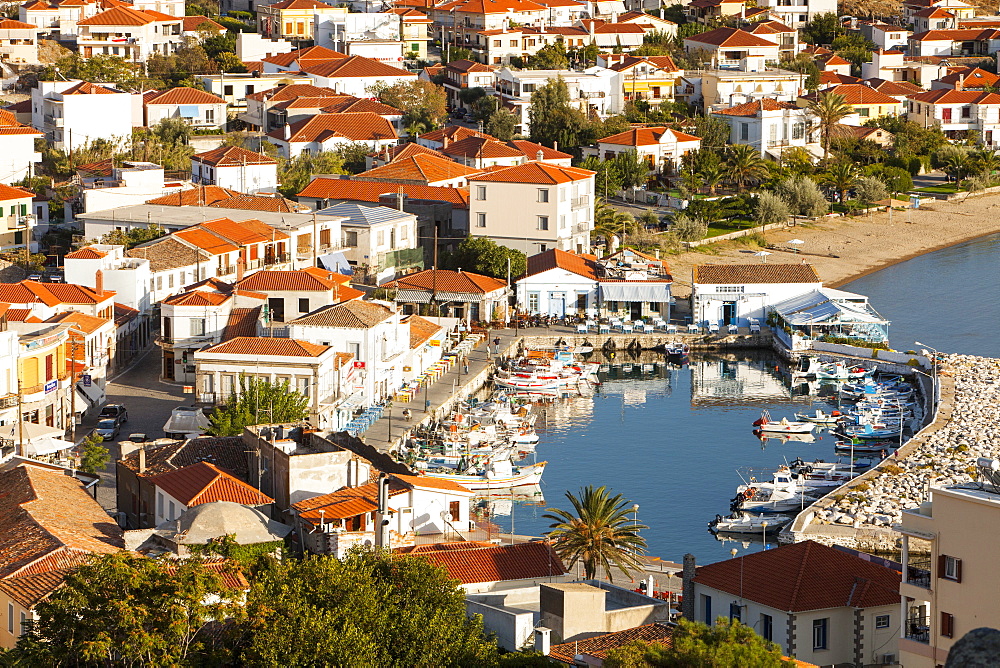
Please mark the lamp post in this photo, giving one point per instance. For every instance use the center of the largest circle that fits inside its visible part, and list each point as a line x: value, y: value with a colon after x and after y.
x: 764, y: 529
x: 635, y: 521
x: 934, y: 376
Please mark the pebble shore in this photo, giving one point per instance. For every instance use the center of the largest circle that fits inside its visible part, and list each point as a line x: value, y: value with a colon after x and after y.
x: 945, y: 457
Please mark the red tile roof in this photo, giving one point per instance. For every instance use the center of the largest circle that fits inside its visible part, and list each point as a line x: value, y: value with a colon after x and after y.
x: 490, y: 6
x: 353, y: 66
x: 424, y: 482
x: 738, y: 274
x: 755, y: 107
x: 265, y: 345
x: 11, y: 24
x: 970, y: 78
x: 349, y: 103
x: 897, y: 88
x: 29, y: 590
x: 445, y: 280
x: 232, y: 156
x: 831, y: 78
x: 531, y: 149
x: 301, y: 56
x: 185, y: 95
x: 205, y: 240
x: 192, y: 23
x: 452, y: 133
x: 856, y: 94
x: 421, y: 330
x: 363, y: 126
x: 272, y: 280
x: 599, y: 646
x: 293, y: 91
x: 13, y: 192
x: 84, y: 321
x: 949, y: 96
x: 354, y: 314
x: 647, y: 137
x: 242, y: 322
x: 119, y: 16
x: 300, y: 4
x: 404, y: 151
x: 204, y: 483
x: 581, y: 265
x: 86, y: 253
x: 497, y: 563
x: 419, y: 168
x: 482, y: 147
x: 197, y: 196
x: 960, y: 35
x: 934, y: 13
x: 542, y: 173
x: 804, y: 576
x: 197, y: 298
x: 833, y: 59
x: 731, y: 37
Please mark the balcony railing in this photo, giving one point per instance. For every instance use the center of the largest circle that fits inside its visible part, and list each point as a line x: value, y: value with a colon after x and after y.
x: 581, y: 202
x: 918, y: 573
x: 8, y: 401
x: 917, y: 629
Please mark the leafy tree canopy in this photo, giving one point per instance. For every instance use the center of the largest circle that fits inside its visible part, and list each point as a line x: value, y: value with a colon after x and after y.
x: 257, y: 401
x: 550, y: 57
x: 424, y: 104
x: 823, y: 29
x: 554, y: 118
x: 94, y: 456
x: 482, y: 255
x: 133, y: 237
x: 501, y: 124
x: 294, y: 175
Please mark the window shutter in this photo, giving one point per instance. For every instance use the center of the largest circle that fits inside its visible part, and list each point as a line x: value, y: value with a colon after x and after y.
x: 958, y: 570
x: 941, y: 562
x: 947, y: 625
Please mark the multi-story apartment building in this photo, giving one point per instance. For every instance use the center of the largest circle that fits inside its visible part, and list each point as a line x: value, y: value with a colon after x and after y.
x: 596, y: 90
x: 132, y: 34
x: 15, y: 217
x: 958, y: 113
x: 73, y: 114
x: 796, y: 13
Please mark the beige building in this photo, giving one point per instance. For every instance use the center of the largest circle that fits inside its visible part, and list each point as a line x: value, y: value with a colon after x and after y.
x: 950, y: 576
x: 18, y: 42
x: 555, y: 207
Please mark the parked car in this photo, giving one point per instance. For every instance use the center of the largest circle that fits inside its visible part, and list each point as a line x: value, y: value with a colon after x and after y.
x: 137, y: 437
x: 116, y: 411
x: 107, y: 428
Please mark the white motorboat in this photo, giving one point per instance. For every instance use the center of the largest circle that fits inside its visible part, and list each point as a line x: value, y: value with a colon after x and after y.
x: 820, y: 417
x: 496, y: 475
x: 783, y: 495
x: 782, y: 426
x: 741, y: 522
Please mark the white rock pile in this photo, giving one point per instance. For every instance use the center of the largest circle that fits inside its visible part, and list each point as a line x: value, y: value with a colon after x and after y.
x: 946, y: 457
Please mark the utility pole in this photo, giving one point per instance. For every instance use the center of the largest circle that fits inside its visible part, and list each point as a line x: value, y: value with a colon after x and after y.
x: 72, y: 395
x: 19, y: 450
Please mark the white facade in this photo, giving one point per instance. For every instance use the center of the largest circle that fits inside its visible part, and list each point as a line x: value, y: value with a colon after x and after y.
x: 8, y: 382
x: 596, y: 89
x: 890, y: 38
x: 234, y: 88
x: 771, y: 130
x: 373, y: 236
x: 17, y: 154
x: 112, y: 34
x: 557, y: 292
x: 241, y: 178
x: 198, y: 115
x: 735, y: 303
x: 957, y: 113
x: 796, y: 13
x: 128, y: 277
x: 73, y: 121
x: 18, y: 42
x: 130, y: 183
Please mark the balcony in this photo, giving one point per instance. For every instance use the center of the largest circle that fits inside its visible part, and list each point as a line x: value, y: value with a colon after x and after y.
x: 54, y: 121
x: 8, y: 401
x: 580, y: 202
x: 918, y: 572
x: 917, y: 629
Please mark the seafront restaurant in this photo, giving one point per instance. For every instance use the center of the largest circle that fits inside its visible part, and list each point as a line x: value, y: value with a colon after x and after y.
x: 826, y: 314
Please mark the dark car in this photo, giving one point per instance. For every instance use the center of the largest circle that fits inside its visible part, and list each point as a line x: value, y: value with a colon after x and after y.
x: 116, y: 412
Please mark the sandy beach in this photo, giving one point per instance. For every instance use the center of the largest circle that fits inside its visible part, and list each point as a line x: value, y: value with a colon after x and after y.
x: 860, y: 245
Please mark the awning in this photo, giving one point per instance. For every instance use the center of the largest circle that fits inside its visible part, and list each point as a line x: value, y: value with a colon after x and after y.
x: 29, y: 430
x: 46, y: 446
x: 828, y: 307
x: 336, y: 262
x: 637, y: 291
x: 413, y: 296
x: 188, y: 110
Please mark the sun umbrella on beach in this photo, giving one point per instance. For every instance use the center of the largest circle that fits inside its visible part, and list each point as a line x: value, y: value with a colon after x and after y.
x: 763, y: 255
x: 797, y: 242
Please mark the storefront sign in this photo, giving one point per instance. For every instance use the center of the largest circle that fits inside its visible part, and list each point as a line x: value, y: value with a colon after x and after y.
x: 359, y: 365
x: 436, y: 343
x: 87, y: 380
x: 51, y: 385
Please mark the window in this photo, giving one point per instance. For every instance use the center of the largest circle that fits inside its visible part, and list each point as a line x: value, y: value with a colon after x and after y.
x: 351, y: 239
x: 881, y: 621
x: 496, y: 42
x: 706, y: 604
x: 197, y: 327
x: 24, y: 620
x: 159, y: 504
x: 946, y: 115
x: 966, y: 112
x: 381, y: 237
x: 454, y: 508
x: 528, y: 88
x: 947, y: 625
x: 210, y: 115
x: 480, y: 193
x: 533, y: 302
x: 543, y: 222
x: 542, y: 248
x: 276, y: 307
x: 303, y: 385
x: 227, y: 90
x: 480, y: 220
x: 10, y: 618
x: 170, y: 505
x: 734, y: 611
x: 170, y: 281
x: 863, y: 112
x: 819, y: 633
x: 543, y: 194
x: 949, y: 568
x: 355, y: 349
x: 581, y: 301
x: 304, y: 305
x: 730, y: 288
x: 766, y: 627
x: 744, y: 131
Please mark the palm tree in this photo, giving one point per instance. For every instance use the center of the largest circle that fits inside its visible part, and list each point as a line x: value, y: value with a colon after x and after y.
x: 610, y: 222
x: 829, y: 109
x: 957, y: 164
x: 985, y: 161
x: 711, y: 176
x: 746, y: 166
x: 600, y: 534
x: 841, y: 177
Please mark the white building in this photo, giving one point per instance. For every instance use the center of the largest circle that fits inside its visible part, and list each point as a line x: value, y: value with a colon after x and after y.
x: 235, y: 168
x: 840, y: 608
x: 235, y: 87
x: 354, y: 75
x: 960, y: 42
x: 661, y: 148
x: 372, y: 332
x: 292, y: 294
x: 129, y: 183
x: 595, y: 90
x: 958, y: 113
x: 8, y: 380
x: 18, y: 42
x: 379, y: 243
x: 724, y: 88
x: 132, y: 34
x: 16, y: 218
x: 769, y: 126
x: 193, y: 485
x: 327, y: 132
x: 734, y: 48
x: 555, y: 207
x: 73, y: 114
x: 195, y: 107
x: 17, y: 149
x: 731, y: 294
x: 310, y: 369
x: 889, y: 38
x: 129, y: 277
x: 796, y: 13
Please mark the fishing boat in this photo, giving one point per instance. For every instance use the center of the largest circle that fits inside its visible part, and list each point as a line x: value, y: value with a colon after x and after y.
x: 783, y: 426
x: 867, y: 432
x: 677, y: 349
x: 740, y: 522
x: 866, y: 447
x: 784, y: 494
x: 812, y: 367
x: 496, y: 475
x: 801, y: 466
x: 819, y: 417
x: 784, y: 438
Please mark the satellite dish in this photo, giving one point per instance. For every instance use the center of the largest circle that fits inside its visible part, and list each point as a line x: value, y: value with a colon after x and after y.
x: 446, y: 516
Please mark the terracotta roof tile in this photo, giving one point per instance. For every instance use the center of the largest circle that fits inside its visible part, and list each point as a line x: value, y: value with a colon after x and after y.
x: 421, y: 330
x: 168, y: 253
x: 353, y: 66
x: 185, y: 95
x: 581, y: 265
x: 531, y: 149
x: 445, y: 280
x: 205, y: 240
x: 29, y: 590
x: 647, y: 137
x: 232, y: 156
x: 731, y: 37
x: 205, y: 483
x: 960, y: 35
x: 363, y: 126
x: 119, y: 16
x: 452, y: 132
x: 354, y: 314
x: 856, y: 94
x: 755, y: 107
x: 950, y: 96
x: 370, y: 191
x: 265, y: 345
x: 497, y: 563
x: 482, y: 147
x: 971, y: 78
x: 490, y: 6
x: 192, y: 23
x: 804, y: 576
x: 404, y: 151
x: 226, y: 452
x: 738, y: 274
x: 934, y: 13
x: 242, y: 322
x: 831, y: 78
x: 420, y: 168
x: 272, y: 203
x: 13, y: 192
x: 197, y: 298
x: 535, y: 172
x: 11, y: 24
x: 273, y: 280
x: 425, y: 482
x: 599, y: 646
x: 86, y: 253
x: 895, y: 88
x: 84, y: 321
x: 300, y: 4
x: 197, y: 196
x: 308, y: 54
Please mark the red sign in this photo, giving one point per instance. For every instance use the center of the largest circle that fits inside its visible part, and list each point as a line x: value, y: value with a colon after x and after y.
x: 359, y: 365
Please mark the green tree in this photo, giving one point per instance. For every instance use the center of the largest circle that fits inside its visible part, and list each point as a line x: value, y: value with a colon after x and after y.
x: 133, y: 236
x: 258, y: 401
x: 295, y: 174
x: 607, y: 180
x: 125, y: 609
x: 714, y: 132
x: 745, y: 166
x: 769, y: 208
x: 711, y: 211
x: 823, y: 29
x: 632, y: 169
x: 896, y: 179
x: 99, y: 68
x: 869, y: 190
x: 550, y: 57
x: 600, y: 535
x: 695, y: 645
x: 424, y: 104
x: 482, y: 255
x: 553, y: 118
x: 353, y: 156
x: 501, y: 124
x: 93, y: 455
x: 829, y: 110
x: 803, y: 196
x: 841, y: 177
x: 984, y: 161
x: 371, y: 609
x: 485, y: 107
x: 687, y: 227
x: 230, y: 62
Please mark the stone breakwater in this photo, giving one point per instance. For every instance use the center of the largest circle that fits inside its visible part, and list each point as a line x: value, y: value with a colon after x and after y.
x: 945, y: 453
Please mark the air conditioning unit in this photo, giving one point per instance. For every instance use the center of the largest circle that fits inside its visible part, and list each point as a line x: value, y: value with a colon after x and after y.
x: 888, y: 659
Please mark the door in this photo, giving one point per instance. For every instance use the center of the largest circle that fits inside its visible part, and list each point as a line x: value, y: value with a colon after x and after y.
x: 729, y: 313
x: 635, y: 310
x: 168, y: 365
x: 557, y: 305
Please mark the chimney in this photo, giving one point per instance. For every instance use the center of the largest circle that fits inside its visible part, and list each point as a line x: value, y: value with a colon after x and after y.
x: 288, y: 132
x: 539, y: 155
x: 142, y: 458
x: 239, y: 269
x: 444, y: 141
x: 99, y: 281
x: 555, y: 146
x: 543, y: 640
x: 687, y: 605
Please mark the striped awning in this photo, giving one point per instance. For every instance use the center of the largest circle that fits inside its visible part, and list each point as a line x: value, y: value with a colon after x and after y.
x: 422, y: 297
x: 635, y: 291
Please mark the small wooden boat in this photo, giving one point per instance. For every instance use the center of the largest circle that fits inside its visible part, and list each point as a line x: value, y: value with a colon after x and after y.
x: 867, y: 432
x: 498, y: 475
x: 677, y: 349
x: 783, y: 426
x: 819, y: 417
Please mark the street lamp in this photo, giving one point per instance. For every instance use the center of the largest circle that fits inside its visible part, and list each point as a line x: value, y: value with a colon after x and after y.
x: 764, y: 528
x: 934, y: 376
x: 635, y: 521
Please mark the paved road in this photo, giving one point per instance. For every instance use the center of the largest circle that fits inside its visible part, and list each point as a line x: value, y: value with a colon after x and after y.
x: 148, y: 402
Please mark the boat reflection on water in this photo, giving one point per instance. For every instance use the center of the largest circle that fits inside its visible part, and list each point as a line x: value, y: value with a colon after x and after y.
x: 728, y: 380
x: 500, y: 502
x: 765, y: 436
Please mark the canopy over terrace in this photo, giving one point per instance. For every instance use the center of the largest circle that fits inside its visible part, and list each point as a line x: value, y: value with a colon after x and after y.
x: 630, y: 298
x: 829, y: 312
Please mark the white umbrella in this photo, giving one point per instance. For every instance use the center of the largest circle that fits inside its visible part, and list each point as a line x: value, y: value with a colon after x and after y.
x: 763, y: 255
x: 796, y: 241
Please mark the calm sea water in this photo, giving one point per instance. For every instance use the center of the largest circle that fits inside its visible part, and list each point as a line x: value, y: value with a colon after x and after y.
x: 672, y: 440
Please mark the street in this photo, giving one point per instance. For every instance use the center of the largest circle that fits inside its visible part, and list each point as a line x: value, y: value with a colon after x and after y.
x: 148, y: 402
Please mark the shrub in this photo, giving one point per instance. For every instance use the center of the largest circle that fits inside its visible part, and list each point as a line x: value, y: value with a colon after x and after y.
x: 769, y: 208
x: 862, y: 487
x: 869, y: 189
x: 688, y: 228
x: 803, y: 196
x: 892, y: 469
